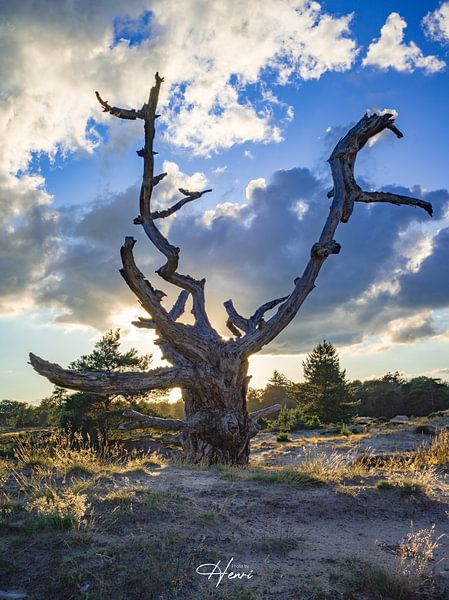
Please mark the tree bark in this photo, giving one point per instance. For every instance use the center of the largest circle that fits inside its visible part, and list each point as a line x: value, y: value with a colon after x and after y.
x: 222, y: 435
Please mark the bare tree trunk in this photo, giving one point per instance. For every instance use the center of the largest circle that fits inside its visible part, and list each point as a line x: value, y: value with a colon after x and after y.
x: 225, y: 432
x: 212, y: 371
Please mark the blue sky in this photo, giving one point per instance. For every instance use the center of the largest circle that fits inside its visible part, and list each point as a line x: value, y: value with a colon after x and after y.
x: 253, y: 102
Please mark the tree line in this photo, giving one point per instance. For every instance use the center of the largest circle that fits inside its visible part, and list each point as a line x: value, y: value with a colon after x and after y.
x: 325, y: 396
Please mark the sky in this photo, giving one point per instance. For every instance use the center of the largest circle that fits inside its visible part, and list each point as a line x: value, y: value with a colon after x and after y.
x: 255, y: 97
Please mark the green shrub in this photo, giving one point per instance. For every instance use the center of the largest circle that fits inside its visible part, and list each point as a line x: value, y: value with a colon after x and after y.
x: 293, y: 419
x: 283, y: 437
x: 345, y: 430
x: 314, y: 423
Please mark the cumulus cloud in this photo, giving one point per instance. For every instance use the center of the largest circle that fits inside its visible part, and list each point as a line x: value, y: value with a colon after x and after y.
x: 82, y: 283
x: 429, y: 285
x: 252, y: 250
x: 55, y: 54
x: 411, y: 328
x: 30, y: 237
x: 436, y: 23
x: 223, y: 50
x: 226, y: 50
x: 390, y: 51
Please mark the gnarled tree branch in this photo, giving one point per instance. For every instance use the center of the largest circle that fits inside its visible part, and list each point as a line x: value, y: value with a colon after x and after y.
x: 176, y: 311
x: 257, y: 319
x: 112, y: 382
x: 189, y: 196
x: 345, y: 192
x: 236, y: 322
x: 264, y: 412
x: 397, y: 199
x: 147, y: 217
x: 142, y: 421
x: 184, y: 338
x: 121, y: 113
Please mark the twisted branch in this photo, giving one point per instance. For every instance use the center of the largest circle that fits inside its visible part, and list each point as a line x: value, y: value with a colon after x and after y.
x: 146, y: 218
x: 141, y: 421
x: 176, y: 311
x: 189, y: 196
x: 345, y: 192
x: 236, y: 322
x: 122, y: 113
x: 397, y: 199
x: 112, y: 382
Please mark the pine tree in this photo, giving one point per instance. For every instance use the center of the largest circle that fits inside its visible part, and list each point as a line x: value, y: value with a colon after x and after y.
x: 95, y: 414
x: 279, y: 390
x: 326, y: 392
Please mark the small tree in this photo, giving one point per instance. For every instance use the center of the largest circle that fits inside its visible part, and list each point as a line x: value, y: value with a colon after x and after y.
x: 94, y: 414
x: 48, y: 412
x: 326, y: 392
x: 279, y: 390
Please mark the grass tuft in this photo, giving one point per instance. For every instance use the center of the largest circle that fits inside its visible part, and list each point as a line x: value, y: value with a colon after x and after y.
x: 283, y: 437
x: 291, y: 477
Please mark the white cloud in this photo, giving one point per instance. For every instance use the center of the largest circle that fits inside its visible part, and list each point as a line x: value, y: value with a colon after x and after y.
x: 253, y: 185
x: 410, y: 328
x: 300, y: 208
x: 248, y: 154
x: 55, y: 54
x: 220, y: 170
x: 390, y: 51
x: 436, y: 23
x: 229, y: 210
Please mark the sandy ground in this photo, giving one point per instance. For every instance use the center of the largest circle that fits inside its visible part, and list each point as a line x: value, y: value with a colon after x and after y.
x: 301, y: 542
x: 376, y: 440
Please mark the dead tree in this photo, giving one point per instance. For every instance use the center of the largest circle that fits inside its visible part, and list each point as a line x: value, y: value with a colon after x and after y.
x: 212, y: 371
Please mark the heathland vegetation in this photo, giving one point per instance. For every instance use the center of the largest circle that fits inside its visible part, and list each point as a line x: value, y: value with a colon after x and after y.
x: 110, y: 514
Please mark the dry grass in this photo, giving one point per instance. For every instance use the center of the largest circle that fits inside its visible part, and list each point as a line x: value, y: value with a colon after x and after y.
x: 416, y: 552
x: 413, y: 473
x: 435, y: 453
x: 287, y: 476
x: 417, y: 472
x: 57, y: 509
x: 112, y: 529
x: 56, y: 478
x: 65, y: 451
x: 69, y: 455
x: 411, y: 578
x: 334, y: 467
x: 123, y: 494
